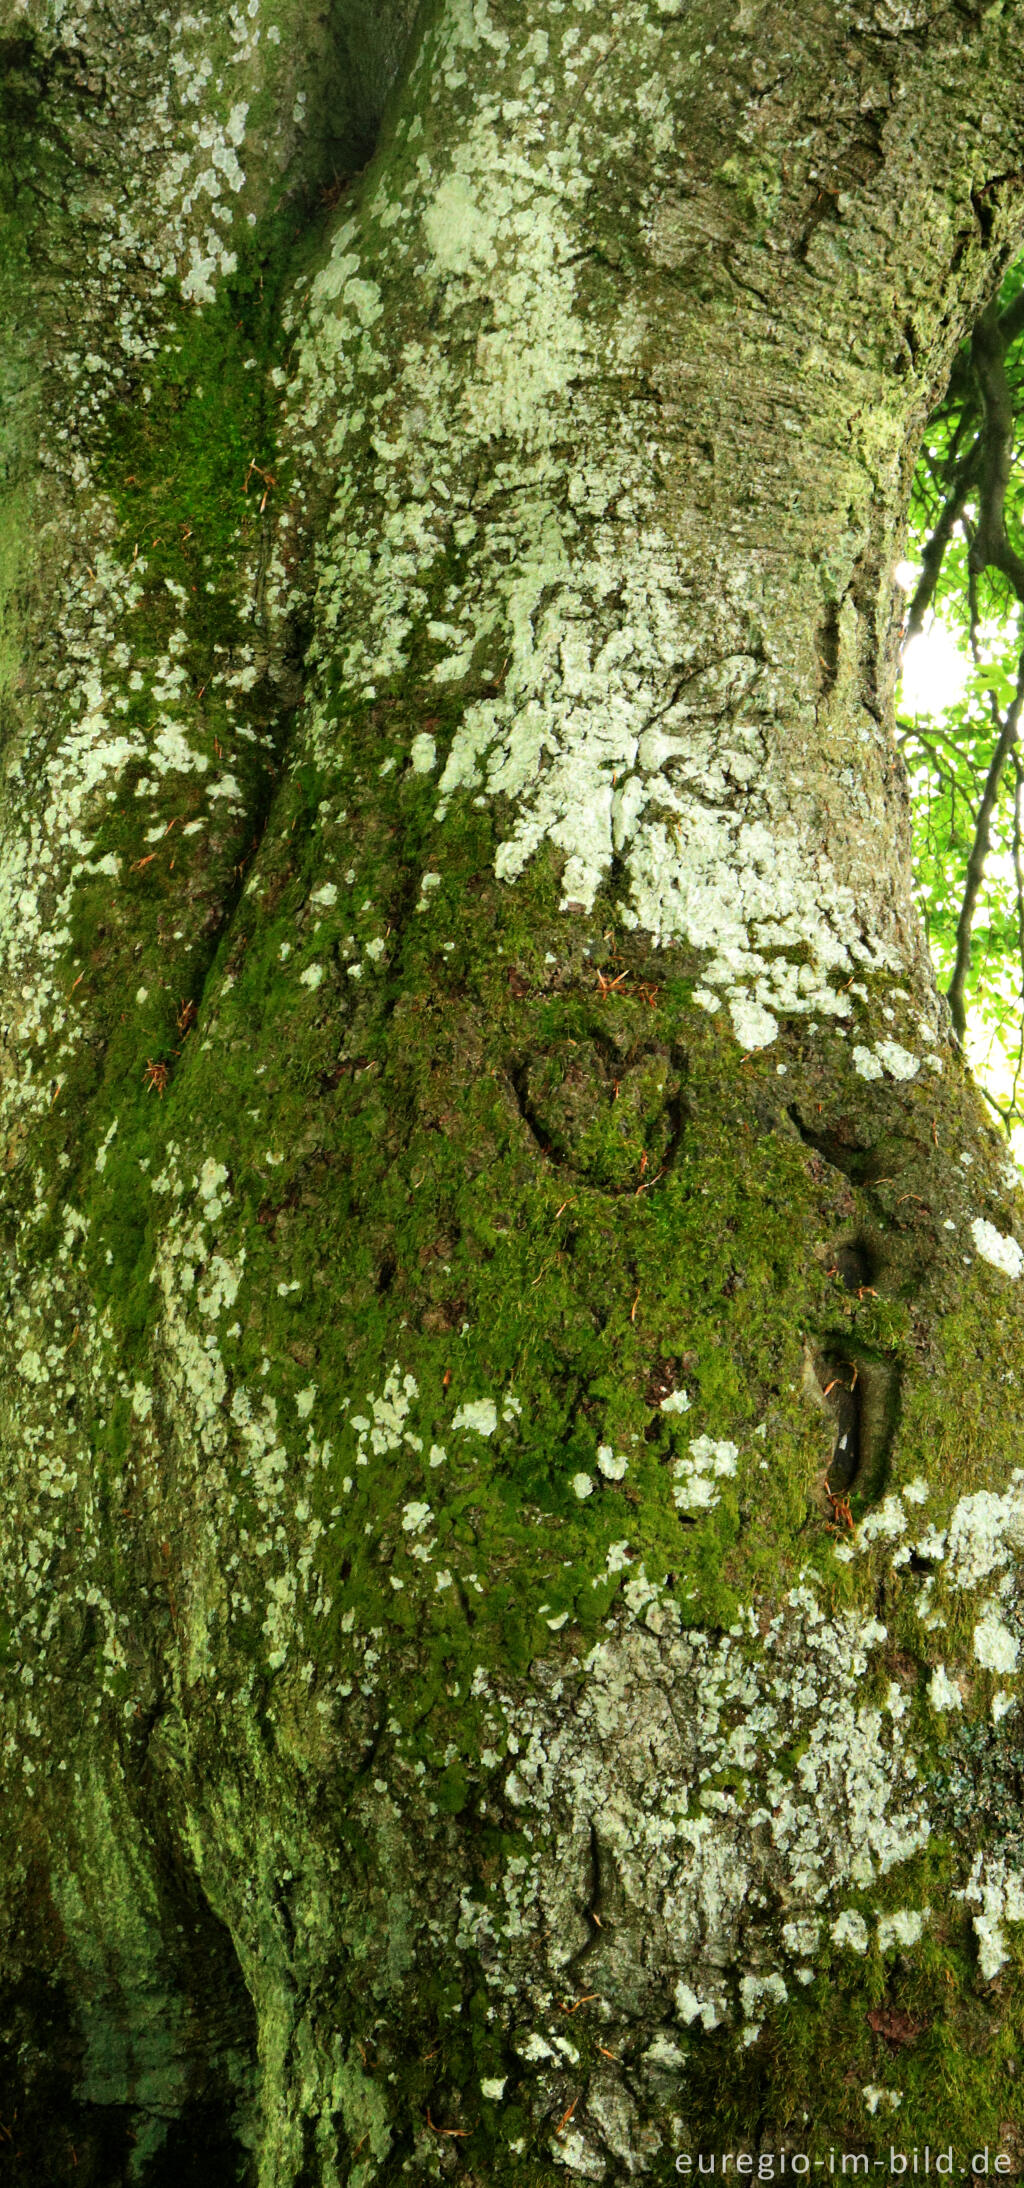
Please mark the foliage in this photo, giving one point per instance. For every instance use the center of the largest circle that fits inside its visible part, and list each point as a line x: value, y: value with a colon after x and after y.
x: 964, y: 760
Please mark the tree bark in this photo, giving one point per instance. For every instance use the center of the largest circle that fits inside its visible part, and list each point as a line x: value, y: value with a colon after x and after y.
x: 510, y: 1401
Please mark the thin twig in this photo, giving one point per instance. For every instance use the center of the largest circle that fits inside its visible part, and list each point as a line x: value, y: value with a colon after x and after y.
x: 1018, y: 872
x: 932, y: 558
x: 979, y: 852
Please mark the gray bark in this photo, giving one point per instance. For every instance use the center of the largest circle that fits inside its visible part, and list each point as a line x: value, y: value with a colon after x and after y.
x: 510, y: 1407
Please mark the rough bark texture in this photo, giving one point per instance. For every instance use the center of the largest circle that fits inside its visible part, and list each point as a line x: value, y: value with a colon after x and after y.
x: 490, y: 1193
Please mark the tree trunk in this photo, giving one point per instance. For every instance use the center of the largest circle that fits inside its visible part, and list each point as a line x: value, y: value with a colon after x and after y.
x: 510, y: 1406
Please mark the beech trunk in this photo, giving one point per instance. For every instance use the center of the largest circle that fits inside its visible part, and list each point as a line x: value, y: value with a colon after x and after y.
x: 512, y: 1357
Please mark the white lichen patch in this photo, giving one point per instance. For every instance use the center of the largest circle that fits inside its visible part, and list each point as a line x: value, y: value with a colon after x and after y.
x: 708, y: 2011
x: 423, y: 753
x: 612, y: 1464
x: 695, y: 1478
x: 480, y: 1416
x: 943, y: 1692
x: 897, y: 1061
x: 600, y: 733
x: 996, y: 1648
x: 753, y: 1025
x: 903, y: 1929
x: 995, y: 1894
x: 986, y: 1529
x: 638, y: 1751
x: 220, y: 1285
x: 535, y: 2048
x: 802, y: 1937
x: 212, y: 1177
x: 850, y: 1928
x: 1002, y: 1252
x: 142, y: 1402
x: 101, y: 1152
x: 757, y: 1991
x: 886, y: 1521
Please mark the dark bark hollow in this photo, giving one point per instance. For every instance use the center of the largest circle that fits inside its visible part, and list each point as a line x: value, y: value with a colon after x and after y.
x: 510, y: 1400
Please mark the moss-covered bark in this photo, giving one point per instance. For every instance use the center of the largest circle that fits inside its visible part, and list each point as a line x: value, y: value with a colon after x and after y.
x: 510, y: 1402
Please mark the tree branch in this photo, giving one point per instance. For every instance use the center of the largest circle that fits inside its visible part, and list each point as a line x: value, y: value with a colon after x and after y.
x: 979, y: 371
x: 990, y: 547
x: 1018, y: 874
x: 932, y: 559
x: 928, y: 740
x: 1011, y: 321
x: 979, y: 852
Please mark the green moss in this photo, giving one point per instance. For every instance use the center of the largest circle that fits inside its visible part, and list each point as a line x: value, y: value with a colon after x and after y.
x: 587, y: 1301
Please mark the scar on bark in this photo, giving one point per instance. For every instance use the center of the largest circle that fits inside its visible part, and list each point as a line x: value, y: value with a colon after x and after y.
x: 569, y: 1093
x: 860, y: 1385
x: 860, y: 1388
x: 596, y: 1898
x: 827, y: 649
x: 861, y: 1164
